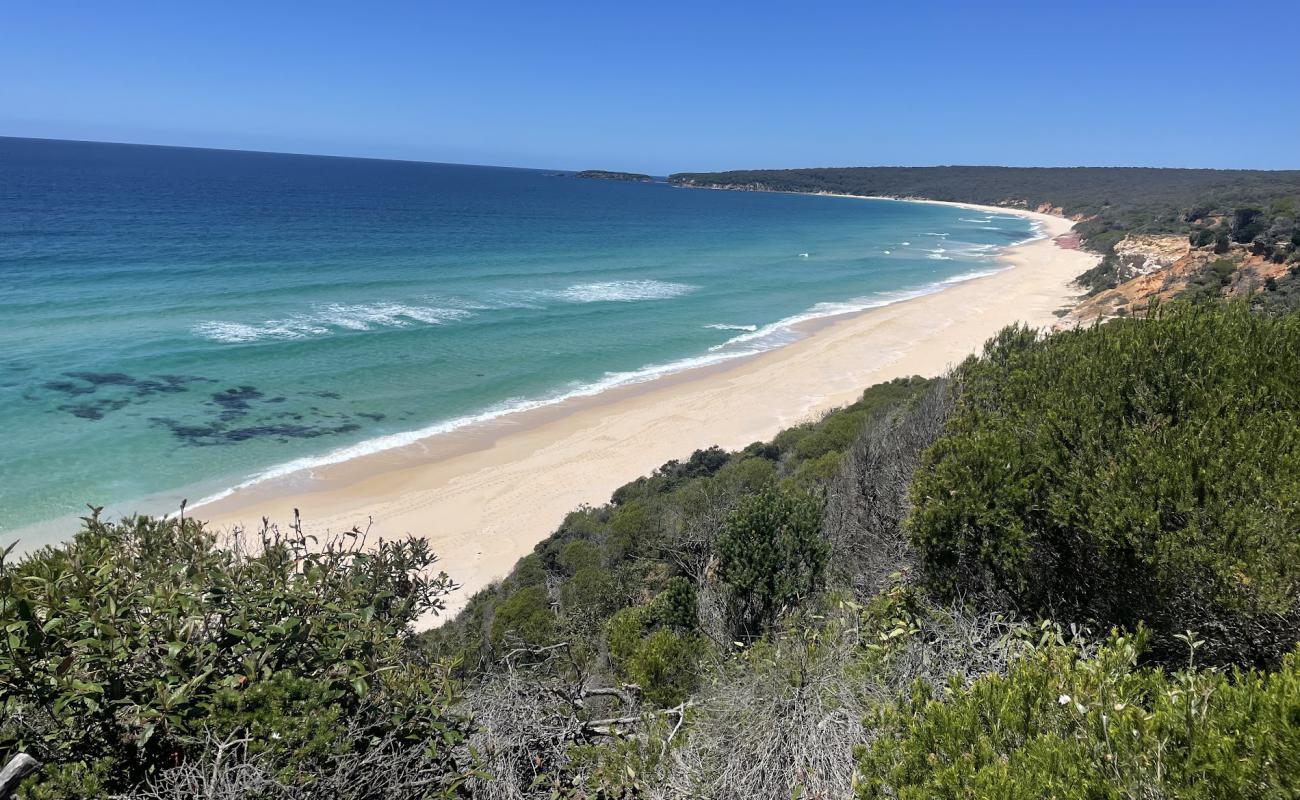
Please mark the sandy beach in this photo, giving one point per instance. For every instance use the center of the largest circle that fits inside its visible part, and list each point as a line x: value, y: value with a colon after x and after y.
x: 485, y: 495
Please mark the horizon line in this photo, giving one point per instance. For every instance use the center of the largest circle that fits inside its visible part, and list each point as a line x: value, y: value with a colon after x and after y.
x: 680, y: 172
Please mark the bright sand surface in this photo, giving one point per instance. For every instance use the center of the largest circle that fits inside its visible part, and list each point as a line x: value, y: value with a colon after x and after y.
x: 485, y: 495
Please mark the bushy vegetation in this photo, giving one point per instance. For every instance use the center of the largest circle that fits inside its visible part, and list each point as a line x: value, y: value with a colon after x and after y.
x: 142, y: 650
x: 1144, y: 470
x: 771, y: 555
x: 900, y: 599
x: 1059, y: 725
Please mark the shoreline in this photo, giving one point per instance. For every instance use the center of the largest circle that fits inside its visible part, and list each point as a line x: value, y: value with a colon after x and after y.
x: 799, y: 325
x: 486, y: 492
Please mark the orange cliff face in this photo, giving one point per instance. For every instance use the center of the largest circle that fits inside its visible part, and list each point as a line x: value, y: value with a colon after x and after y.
x: 1163, y: 267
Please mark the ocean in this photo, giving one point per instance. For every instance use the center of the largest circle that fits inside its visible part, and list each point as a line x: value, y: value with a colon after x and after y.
x: 175, y: 322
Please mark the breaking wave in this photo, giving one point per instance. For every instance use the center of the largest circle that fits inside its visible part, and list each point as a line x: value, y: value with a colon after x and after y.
x: 327, y: 319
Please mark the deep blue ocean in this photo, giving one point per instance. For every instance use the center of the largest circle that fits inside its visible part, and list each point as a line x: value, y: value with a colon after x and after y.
x: 174, y: 322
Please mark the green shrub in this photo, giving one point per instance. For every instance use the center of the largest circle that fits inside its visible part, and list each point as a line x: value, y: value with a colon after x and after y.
x: 818, y: 471
x: 127, y: 646
x: 624, y: 633
x: 524, y: 618
x: 771, y: 555
x: 745, y: 475
x: 650, y: 647
x: 1058, y: 726
x: 1202, y: 237
x: 579, y: 555
x: 528, y: 572
x: 665, y: 666
x: 1223, y: 268
x: 833, y: 435
x: 634, y: 527
x: 663, y: 661
x: 1145, y: 470
x: 677, y: 606
x: 589, y: 596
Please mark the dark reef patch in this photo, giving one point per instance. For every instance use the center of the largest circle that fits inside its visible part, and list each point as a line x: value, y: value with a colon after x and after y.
x: 228, y: 416
x: 121, y: 389
x: 236, y: 402
x: 216, y: 433
x: 70, y: 388
x: 95, y: 409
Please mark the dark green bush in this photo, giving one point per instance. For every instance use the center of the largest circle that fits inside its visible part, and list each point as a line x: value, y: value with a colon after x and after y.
x: 524, y: 618
x: 771, y: 554
x: 1202, y: 237
x: 590, y: 596
x: 662, y: 660
x: 1061, y: 726
x: 125, y: 648
x: 677, y: 606
x: 579, y: 555
x: 1145, y: 470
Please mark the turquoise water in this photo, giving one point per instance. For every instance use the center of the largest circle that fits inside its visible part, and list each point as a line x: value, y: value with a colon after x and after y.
x: 176, y: 322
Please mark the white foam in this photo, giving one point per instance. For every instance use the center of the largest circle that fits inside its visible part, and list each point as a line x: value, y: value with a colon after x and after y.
x: 629, y: 291
x: 326, y: 319
x: 1039, y: 231
x: 777, y: 333
x: 619, y: 291
x: 722, y: 326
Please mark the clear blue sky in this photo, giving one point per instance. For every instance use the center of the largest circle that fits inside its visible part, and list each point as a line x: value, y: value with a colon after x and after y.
x: 663, y: 86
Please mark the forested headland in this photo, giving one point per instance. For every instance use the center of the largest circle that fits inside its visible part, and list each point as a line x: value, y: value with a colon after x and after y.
x: 1070, y: 568
x: 1236, y: 223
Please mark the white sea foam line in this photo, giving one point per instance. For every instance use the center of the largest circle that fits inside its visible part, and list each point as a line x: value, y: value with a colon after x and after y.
x: 325, y: 319
x: 1039, y: 232
x: 599, y: 292
x: 723, y: 326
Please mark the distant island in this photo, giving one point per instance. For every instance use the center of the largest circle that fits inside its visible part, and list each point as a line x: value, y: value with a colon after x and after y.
x: 607, y: 175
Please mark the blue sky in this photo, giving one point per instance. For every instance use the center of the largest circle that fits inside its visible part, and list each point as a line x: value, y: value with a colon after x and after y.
x: 663, y: 86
